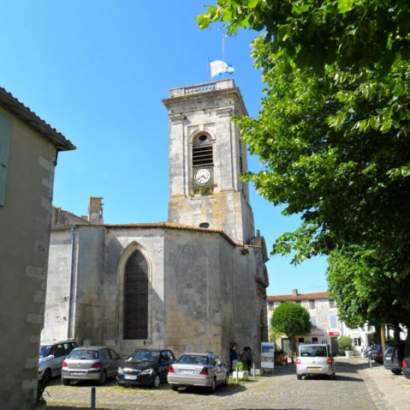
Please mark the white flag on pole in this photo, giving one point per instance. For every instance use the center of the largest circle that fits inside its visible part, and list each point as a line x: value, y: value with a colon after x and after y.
x: 219, y: 67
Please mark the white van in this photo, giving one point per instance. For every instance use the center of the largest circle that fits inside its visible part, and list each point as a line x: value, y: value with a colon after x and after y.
x: 314, y: 359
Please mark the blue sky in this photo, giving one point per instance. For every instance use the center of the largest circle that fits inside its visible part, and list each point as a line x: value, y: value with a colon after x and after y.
x: 97, y: 71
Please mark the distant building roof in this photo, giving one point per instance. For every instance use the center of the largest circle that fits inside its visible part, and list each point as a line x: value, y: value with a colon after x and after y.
x: 298, y: 296
x: 17, y: 108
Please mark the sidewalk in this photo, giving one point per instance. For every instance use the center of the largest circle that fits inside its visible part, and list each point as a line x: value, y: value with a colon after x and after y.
x: 389, y: 391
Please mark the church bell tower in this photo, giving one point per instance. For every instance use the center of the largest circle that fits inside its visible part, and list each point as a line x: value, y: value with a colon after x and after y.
x: 206, y: 159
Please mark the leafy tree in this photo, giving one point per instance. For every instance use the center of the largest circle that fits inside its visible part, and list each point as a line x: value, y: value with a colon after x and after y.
x: 292, y: 320
x: 334, y: 137
x: 345, y: 343
x: 365, y: 288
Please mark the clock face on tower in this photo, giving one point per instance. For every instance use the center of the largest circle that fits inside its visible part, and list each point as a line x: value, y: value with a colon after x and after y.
x: 202, y: 176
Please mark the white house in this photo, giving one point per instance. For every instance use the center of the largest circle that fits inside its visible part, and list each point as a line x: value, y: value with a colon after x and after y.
x: 326, y: 325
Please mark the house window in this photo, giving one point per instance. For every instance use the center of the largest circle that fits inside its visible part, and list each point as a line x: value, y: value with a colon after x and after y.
x: 301, y: 340
x: 315, y: 339
x: 333, y: 321
x: 311, y: 304
x: 313, y: 321
x: 332, y: 303
x: 357, y: 341
x: 135, y: 323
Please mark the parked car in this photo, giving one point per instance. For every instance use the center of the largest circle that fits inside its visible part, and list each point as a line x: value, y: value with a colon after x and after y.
x: 375, y: 352
x: 51, y: 357
x: 147, y: 367
x: 393, y: 357
x: 90, y: 363
x: 405, y: 365
x: 198, y: 369
x: 314, y: 359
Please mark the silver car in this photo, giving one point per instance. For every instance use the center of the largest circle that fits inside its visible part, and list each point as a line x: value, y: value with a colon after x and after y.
x: 314, y: 359
x: 90, y: 363
x: 51, y: 357
x: 198, y: 369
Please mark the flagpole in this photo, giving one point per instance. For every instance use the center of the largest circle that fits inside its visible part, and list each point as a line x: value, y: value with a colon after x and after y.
x: 223, y: 46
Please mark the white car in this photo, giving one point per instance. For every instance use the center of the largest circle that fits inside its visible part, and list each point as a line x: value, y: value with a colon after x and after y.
x: 198, y: 369
x: 315, y: 359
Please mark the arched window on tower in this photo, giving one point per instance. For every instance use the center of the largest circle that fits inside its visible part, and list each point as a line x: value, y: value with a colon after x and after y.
x: 135, y: 319
x: 202, y: 164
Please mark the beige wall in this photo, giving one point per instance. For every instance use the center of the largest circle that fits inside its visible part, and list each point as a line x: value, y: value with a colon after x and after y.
x: 24, y: 240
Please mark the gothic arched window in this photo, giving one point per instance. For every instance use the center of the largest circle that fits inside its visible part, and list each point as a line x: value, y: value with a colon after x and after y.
x: 135, y: 317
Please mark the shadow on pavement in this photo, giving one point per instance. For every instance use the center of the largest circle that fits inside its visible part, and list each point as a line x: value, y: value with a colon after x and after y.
x: 230, y: 390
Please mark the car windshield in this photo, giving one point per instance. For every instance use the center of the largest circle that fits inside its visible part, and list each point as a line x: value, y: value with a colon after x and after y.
x: 143, y: 356
x: 45, y: 350
x: 313, y: 351
x: 193, y: 359
x: 84, y: 354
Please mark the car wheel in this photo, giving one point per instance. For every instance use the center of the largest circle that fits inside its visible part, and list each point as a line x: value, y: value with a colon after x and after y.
x: 66, y: 382
x: 157, y: 381
x: 212, y: 387
x: 299, y: 377
x: 103, y: 378
x: 175, y: 388
x: 396, y: 371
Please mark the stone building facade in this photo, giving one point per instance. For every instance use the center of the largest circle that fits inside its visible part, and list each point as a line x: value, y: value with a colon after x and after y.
x: 28, y: 156
x: 196, y: 282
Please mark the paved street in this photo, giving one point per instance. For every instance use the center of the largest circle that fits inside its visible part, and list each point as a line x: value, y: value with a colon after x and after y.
x: 281, y: 391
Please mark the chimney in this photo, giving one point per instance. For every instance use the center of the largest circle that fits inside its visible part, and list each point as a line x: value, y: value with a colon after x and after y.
x: 294, y: 292
x: 95, y: 211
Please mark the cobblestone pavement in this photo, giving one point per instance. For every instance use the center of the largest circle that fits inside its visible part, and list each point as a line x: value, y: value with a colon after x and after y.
x: 281, y: 391
x: 387, y: 389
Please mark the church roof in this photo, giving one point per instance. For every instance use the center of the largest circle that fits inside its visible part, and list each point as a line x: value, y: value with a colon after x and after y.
x: 173, y: 225
x: 158, y: 225
x: 17, y: 108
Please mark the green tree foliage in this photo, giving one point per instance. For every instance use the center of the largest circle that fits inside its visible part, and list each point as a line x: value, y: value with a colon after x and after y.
x: 345, y: 343
x: 292, y: 320
x: 365, y: 288
x: 334, y: 135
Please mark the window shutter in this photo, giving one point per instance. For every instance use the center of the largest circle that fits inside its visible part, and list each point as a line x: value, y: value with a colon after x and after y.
x: 5, y: 137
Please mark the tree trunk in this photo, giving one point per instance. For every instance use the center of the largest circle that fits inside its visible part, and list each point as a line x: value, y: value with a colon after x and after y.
x: 396, y: 332
x: 382, y: 337
x: 377, y: 339
x: 407, y: 345
x: 293, y: 347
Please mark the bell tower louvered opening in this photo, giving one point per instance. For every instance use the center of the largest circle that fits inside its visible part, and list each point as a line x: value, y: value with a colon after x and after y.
x: 202, y: 151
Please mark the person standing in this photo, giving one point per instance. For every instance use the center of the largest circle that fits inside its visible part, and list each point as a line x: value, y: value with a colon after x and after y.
x: 233, y: 357
x: 246, y: 358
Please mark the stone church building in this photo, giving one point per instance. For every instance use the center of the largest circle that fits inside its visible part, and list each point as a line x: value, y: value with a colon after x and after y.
x: 196, y: 282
